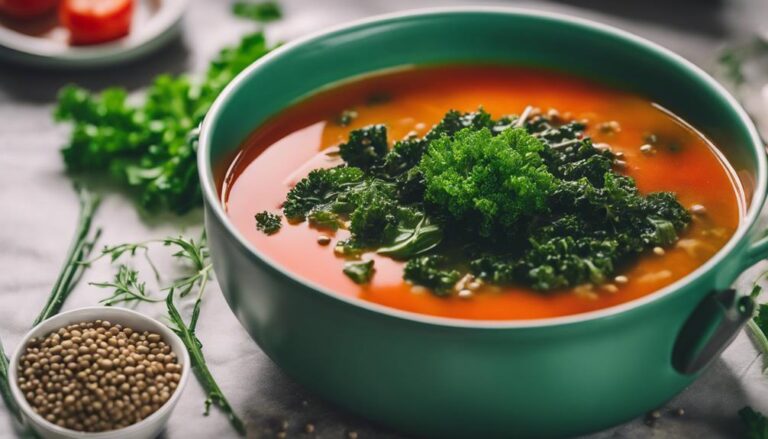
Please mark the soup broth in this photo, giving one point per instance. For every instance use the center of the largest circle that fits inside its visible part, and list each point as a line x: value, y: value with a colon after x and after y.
x: 306, y: 136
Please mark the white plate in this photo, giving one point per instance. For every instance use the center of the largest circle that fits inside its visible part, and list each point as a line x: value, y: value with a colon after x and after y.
x: 155, y: 22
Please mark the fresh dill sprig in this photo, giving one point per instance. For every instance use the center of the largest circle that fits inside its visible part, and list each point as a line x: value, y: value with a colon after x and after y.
x: 127, y: 288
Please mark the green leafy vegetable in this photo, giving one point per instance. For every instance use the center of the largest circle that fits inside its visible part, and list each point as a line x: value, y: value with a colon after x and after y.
x: 366, y: 146
x: 430, y: 271
x: 522, y: 199
x: 150, y: 148
x: 360, y: 272
x: 262, y: 12
x: 755, y: 423
x: 486, y: 182
x: 319, y: 188
x: 268, y: 222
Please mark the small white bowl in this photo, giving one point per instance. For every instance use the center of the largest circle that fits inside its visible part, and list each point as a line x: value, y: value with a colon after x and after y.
x: 147, y: 428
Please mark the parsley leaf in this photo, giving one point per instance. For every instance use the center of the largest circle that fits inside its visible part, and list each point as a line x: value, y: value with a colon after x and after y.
x: 150, y: 148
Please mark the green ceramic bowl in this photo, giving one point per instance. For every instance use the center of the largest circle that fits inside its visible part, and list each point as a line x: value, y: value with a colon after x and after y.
x: 441, y: 377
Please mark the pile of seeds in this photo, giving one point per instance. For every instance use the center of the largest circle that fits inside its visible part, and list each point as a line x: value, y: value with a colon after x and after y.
x: 96, y: 376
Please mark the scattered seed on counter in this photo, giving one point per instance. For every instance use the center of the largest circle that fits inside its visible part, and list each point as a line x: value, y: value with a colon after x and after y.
x: 96, y: 376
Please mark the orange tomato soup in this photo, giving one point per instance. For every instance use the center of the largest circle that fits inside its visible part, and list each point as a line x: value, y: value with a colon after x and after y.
x: 284, y: 150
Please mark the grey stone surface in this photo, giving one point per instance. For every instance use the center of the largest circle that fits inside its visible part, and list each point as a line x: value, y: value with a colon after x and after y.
x: 39, y: 210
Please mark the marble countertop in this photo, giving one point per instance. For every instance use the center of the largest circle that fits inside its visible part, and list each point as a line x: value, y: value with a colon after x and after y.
x: 40, y: 209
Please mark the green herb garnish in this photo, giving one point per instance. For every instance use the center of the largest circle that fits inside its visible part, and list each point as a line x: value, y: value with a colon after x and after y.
x: 523, y: 199
x: 262, y: 12
x: 360, y: 272
x: 150, y: 148
x: 268, y: 222
x: 127, y: 287
x: 755, y: 423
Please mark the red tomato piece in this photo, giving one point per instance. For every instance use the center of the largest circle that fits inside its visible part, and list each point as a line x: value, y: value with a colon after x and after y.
x: 96, y: 21
x: 27, y: 8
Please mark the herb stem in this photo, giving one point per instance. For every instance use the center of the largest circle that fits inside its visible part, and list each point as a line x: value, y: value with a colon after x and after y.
x: 79, y: 249
x: 214, y: 394
x: 5, y: 389
x: 199, y: 299
x: 759, y: 337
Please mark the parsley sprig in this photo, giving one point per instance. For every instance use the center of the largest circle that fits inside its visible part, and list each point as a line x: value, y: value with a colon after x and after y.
x: 150, y: 148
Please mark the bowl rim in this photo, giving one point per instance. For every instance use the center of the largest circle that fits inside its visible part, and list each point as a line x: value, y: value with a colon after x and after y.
x: 213, y: 202
x: 62, y: 319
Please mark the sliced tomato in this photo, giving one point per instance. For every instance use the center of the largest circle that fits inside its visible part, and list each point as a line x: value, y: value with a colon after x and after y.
x: 96, y: 21
x: 27, y: 8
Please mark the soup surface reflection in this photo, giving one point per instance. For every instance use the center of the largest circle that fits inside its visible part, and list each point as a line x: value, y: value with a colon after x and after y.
x: 302, y: 138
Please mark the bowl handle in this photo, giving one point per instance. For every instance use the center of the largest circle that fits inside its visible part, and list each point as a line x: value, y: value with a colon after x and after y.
x: 710, y: 328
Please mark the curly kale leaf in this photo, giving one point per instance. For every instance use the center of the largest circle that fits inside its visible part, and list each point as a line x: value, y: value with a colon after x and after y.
x: 319, y: 188
x: 366, y: 147
x: 268, y: 222
x: 413, y: 238
x: 431, y: 272
x: 490, y: 183
x: 455, y: 121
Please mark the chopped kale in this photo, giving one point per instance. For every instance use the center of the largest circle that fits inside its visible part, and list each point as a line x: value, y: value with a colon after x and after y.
x: 488, y: 183
x: 366, y: 147
x: 431, y: 271
x: 518, y: 200
x: 268, y: 222
x: 360, y: 272
x: 320, y: 187
x: 324, y: 219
